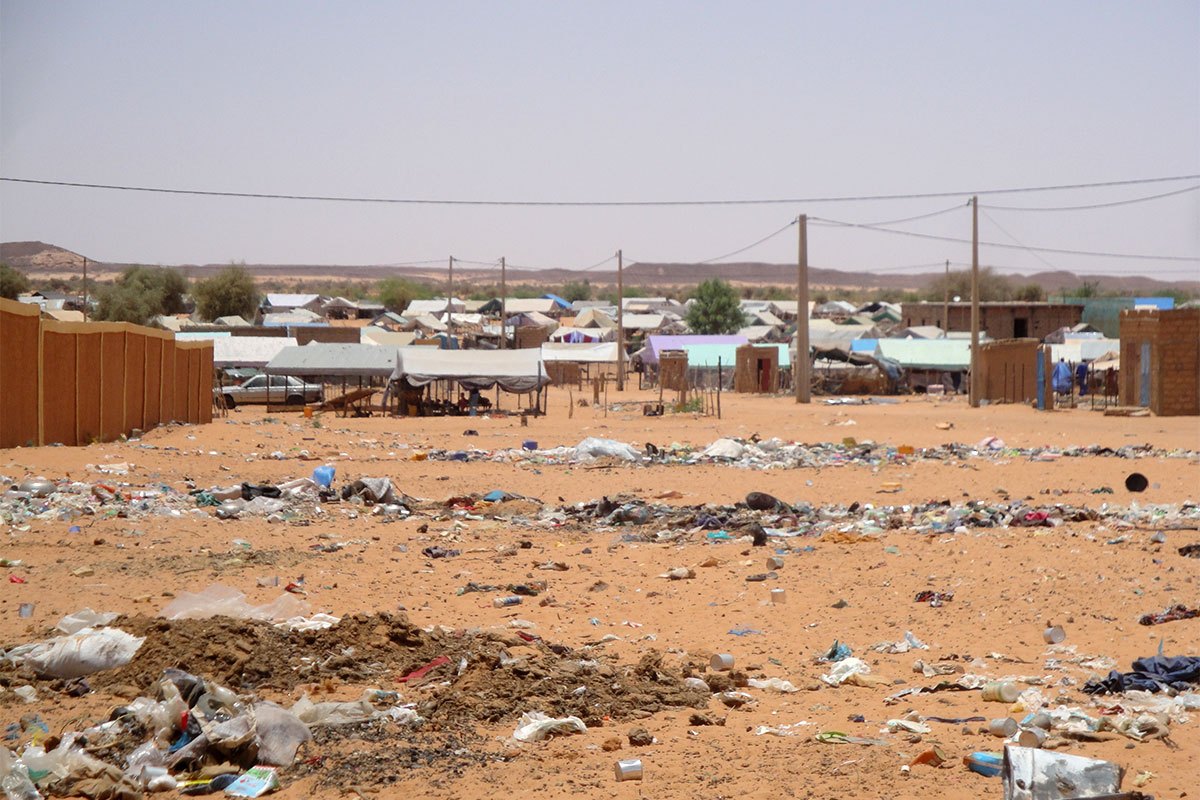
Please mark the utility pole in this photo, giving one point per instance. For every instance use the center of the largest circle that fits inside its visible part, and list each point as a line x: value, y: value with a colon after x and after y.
x: 975, y: 376
x: 503, y: 305
x: 800, y: 363
x: 450, y: 301
x: 946, y: 302
x: 85, y: 291
x: 620, y: 324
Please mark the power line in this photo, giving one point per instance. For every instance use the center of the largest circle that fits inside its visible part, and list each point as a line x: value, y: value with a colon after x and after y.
x: 1130, y: 201
x: 840, y: 223
x: 769, y: 236
x: 596, y: 203
x: 1033, y: 253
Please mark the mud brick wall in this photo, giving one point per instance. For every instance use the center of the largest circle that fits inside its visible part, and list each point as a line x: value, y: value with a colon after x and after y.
x: 1173, y: 337
x: 1009, y: 370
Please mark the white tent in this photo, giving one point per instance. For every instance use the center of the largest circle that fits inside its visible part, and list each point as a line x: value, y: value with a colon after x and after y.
x: 581, y: 353
x: 248, y: 351
x: 565, y: 333
x: 513, y: 370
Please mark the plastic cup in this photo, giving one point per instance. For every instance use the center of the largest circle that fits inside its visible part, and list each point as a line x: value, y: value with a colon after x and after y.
x: 778, y: 596
x: 1003, y: 727
x: 774, y: 562
x: 1001, y: 692
x: 1054, y: 635
x: 1040, y: 720
x: 721, y: 661
x: 629, y: 769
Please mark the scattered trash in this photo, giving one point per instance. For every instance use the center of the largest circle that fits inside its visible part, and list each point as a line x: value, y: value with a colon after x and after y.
x: 1170, y: 614
x: 1001, y: 692
x: 225, y: 601
x: 1153, y: 674
x: 934, y: 599
x: 1054, y: 635
x: 988, y: 764
x: 629, y: 769
x: 721, y: 661
x: 535, y: 726
x: 1032, y: 774
x: 255, y: 782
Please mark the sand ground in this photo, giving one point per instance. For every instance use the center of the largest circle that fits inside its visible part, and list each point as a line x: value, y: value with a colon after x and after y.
x: 1008, y: 584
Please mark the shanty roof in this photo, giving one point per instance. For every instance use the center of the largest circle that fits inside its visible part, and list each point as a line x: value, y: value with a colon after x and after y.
x: 234, y: 321
x: 656, y: 343
x: 950, y: 355
x: 435, y: 306
x: 756, y: 333
x: 709, y: 355
x: 513, y: 370
x: 247, y: 351
x: 385, y: 338
x: 566, y: 333
x: 320, y: 358
x: 524, y: 305
x: 642, y: 322
x: 533, y: 318
x: 289, y: 300
x: 584, y: 352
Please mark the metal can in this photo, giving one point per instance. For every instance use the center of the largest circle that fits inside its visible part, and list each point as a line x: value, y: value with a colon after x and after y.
x: 511, y: 600
x: 629, y: 769
x: 1054, y: 635
x: 721, y: 661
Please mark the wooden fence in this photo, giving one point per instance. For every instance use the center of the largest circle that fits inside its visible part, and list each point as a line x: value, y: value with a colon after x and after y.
x: 74, y: 383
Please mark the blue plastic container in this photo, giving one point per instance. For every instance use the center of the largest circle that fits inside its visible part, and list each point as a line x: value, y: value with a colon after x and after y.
x: 984, y: 763
x: 323, y: 476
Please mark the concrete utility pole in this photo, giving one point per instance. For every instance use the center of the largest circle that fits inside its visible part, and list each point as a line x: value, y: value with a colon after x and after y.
x: 503, y: 305
x: 946, y: 302
x: 975, y: 376
x: 450, y: 301
x: 800, y: 363
x: 620, y: 324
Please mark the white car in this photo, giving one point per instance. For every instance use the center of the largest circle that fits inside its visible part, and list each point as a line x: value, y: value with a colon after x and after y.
x: 281, y: 389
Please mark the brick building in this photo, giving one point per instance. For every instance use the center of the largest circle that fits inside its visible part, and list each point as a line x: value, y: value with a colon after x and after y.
x: 1160, y: 361
x: 998, y: 320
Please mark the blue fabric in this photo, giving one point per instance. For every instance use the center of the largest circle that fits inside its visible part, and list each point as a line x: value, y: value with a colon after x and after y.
x: 1152, y: 675
x: 1061, y: 377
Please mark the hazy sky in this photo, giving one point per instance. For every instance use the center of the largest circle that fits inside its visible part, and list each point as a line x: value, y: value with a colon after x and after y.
x: 571, y: 101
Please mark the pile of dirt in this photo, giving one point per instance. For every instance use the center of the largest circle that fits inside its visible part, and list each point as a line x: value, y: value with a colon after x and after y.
x: 484, y: 677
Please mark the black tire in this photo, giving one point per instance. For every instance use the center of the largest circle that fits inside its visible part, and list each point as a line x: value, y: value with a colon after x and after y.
x: 295, y: 400
x: 229, y: 401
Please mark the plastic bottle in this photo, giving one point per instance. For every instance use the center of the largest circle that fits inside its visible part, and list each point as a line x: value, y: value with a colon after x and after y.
x: 511, y: 600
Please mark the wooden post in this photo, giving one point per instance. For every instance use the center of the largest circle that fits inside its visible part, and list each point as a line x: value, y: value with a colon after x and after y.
x: 975, y: 386
x: 450, y: 302
x: 620, y: 324
x: 85, y: 291
x: 800, y: 367
x: 719, y: 387
x: 946, y: 302
x: 503, y: 305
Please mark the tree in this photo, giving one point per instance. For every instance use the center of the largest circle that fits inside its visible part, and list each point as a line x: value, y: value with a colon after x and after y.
x: 992, y: 286
x: 142, y: 293
x: 575, y: 291
x: 1030, y: 293
x: 715, y: 309
x: 12, y: 282
x: 230, y: 292
x: 397, y: 293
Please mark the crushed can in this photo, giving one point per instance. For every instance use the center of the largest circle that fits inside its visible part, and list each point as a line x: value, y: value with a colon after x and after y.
x: 629, y: 769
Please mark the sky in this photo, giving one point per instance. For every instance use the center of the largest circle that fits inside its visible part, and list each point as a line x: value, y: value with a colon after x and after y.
x: 623, y: 100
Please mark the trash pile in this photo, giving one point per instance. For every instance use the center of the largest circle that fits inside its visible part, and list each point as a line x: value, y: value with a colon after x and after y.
x: 774, y: 453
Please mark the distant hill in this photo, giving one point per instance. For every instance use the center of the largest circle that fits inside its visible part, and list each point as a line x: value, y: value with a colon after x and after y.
x: 45, y: 261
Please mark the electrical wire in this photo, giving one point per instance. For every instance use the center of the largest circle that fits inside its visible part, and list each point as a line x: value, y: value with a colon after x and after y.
x: 1005, y: 231
x: 840, y: 223
x: 1130, y: 201
x: 595, y: 203
x: 768, y: 237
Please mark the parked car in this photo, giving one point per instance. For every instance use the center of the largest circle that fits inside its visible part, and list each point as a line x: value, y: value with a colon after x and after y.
x: 282, y: 389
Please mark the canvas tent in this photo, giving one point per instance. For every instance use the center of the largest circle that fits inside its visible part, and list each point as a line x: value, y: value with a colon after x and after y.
x: 515, y: 371
x: 247, y: 351
x: 334, y: 360
x: 588, y: 353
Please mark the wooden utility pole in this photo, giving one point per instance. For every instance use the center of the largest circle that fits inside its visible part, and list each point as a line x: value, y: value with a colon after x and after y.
x: 503, y: 305
x: 800, y: 363
x: 975, y: 376
x: 85, y: 291
x: 450, y: 301
x: 946, y: 302
x: 620, y: 324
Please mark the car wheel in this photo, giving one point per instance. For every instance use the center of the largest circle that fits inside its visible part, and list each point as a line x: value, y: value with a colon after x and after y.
x: 229, y: 401
x: 295, y: 400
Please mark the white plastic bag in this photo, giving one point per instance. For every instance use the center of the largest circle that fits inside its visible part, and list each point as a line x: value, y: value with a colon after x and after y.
x: 724, y: 448
x: 85, y: 618
x: 844, y: 669
x: 278, y: 734
x: 592, y: 448
x: 225, y: 601
x: 89, y: 651
x: 536, y: 726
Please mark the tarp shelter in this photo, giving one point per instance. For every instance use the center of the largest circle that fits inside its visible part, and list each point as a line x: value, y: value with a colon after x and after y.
x: 706, y: 356
x: 247, y: 351
x: 438, y: 305
x: 656, y: 343
x: 385, y: 338
x: 642, y: 322
x: 201, y: 336
x: 335, y: 360
x: 947, y: 355
x: 591, y: 353
x: 516, y: 371
x: 579, y: 335
x: 596, y: 317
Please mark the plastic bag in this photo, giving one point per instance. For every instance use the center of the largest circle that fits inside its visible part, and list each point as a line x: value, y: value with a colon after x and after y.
x: 278, y: 733
x: 89, y: 651
x: 774, y: 684
x: 843, y: 669
x: 592, y: 448
x: 724, y: 448
x: 333, y: 713
x: 85, y: 618
x: 225, y: 601
x: 14, y: 778
x: 536, y: 726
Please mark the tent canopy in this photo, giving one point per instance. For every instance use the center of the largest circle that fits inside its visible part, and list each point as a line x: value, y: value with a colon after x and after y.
x: 656, y: 343
x: 248, y: 351
x: 512, y: 370
x: 336, y: 359
x: 585, y: 353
